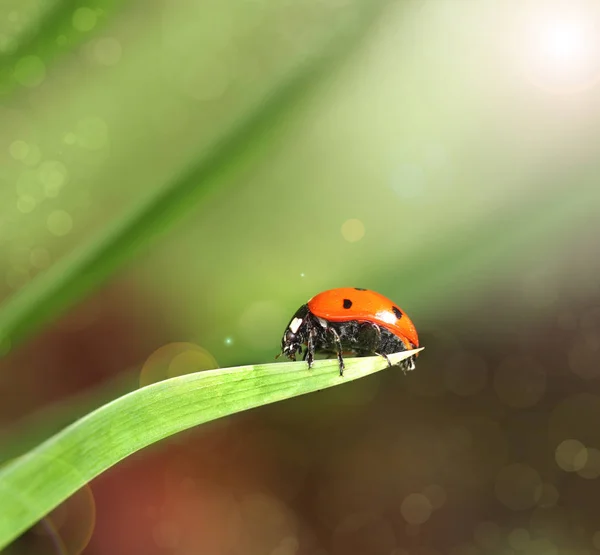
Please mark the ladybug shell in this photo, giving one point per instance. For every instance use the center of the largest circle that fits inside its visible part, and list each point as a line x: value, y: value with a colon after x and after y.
x: 362, y: 305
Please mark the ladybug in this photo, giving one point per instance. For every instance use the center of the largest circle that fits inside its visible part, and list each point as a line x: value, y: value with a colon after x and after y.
x: 349, y: 319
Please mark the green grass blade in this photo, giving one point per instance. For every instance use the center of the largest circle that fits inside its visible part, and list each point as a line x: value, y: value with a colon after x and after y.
x: 53, y: 35
x: 86, y: 268
x: 35, y: 483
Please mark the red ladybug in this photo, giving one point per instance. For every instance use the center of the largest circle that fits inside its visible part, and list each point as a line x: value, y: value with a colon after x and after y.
x: 349, y: 319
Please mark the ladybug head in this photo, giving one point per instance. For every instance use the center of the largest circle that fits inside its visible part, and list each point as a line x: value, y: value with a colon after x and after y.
x: 295, y: 334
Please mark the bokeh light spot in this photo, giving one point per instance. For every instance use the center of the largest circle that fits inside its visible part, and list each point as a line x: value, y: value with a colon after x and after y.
x: 70, y: 138
x: 53, y: 175
x: 287, y: 546
x: 192, y: 360
x: 33, y: 156
x: 591, y: 468
x: 60, y: 223
x: 551, y: 522
x: 520, y: 382
x: 84, y: 19
x: 108, y: 51
x: 30, y: 71
x: 577, y: 416
x: 26, y: 204
x: 228, y: 341
x: 571, y: 455
x: 175, y: 359
x: 19, y: 150
x: 542, y: 546
x: 71, y: 524
x: 46, y: 528
x: 436, y: 495
x: 519, y: 538
x: 39, y: 258
x: 562, y: 48
x: 416, y: 508
x: 267, y: 516
x: 353, y: 230
x: 28, y: 184
x: 518, y: 487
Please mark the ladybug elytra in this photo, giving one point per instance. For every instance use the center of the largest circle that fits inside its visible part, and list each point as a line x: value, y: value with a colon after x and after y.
x: 349, y: 319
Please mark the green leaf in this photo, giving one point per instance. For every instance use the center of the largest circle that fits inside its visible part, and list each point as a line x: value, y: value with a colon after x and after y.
x: 35, y: 483
x: 74, y: 276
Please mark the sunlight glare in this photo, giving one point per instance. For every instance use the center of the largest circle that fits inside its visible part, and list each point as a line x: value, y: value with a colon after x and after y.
x: 563, y: 51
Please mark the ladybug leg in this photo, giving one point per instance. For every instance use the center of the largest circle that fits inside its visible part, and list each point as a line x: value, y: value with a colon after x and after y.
x: 309, y: 355
x: 408, y: 364
x: 338, y: 349
x: 371, y: 339
x: 386, y: 358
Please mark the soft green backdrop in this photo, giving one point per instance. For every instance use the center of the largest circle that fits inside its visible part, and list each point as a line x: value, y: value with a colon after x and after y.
x: 210, y: 165
x: 413, y: 144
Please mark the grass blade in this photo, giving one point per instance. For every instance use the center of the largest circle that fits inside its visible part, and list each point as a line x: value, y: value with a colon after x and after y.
x: 86, y: 268
x: 35, y: 483
x: 53, y: 35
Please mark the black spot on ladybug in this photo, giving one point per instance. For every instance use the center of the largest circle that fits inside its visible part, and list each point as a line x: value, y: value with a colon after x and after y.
x: 359, y: 289
x: 347, y: 303
x: 397, y: 312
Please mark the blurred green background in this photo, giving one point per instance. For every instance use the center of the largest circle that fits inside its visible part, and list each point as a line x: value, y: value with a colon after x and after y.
x: 178, y: 177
